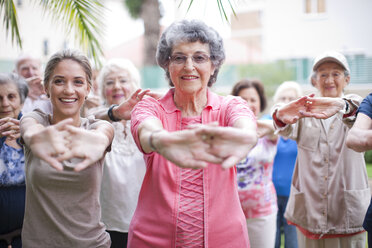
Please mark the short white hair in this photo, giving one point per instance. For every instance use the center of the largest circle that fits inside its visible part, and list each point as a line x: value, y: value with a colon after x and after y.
x: 115, y: 65
x: 287, y: 85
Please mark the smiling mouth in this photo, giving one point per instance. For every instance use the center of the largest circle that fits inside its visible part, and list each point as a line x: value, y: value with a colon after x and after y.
x: 65, y: 100
x: 189, y: 77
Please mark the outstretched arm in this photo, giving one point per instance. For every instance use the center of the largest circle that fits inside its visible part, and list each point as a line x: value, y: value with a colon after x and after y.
x: 359, y: 137
x: 123, y: 111
x: 184, y: 148
x: 88, y: 145
x: 308, y: 106
x: 47, y: 143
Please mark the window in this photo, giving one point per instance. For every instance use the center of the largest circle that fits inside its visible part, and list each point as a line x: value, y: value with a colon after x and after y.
x: 315, y: 6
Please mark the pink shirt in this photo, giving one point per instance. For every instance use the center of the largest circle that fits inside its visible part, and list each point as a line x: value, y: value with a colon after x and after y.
x: 154, y: 222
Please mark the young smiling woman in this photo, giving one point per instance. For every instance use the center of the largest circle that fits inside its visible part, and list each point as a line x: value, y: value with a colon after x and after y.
x: 64, y: 158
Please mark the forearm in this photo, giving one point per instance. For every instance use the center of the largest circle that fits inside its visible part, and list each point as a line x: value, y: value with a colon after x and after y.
x: 29, y: 127
x: 248, y: 128
x: 106, y: 134
x: 148, y: 133
x: 359, y: 140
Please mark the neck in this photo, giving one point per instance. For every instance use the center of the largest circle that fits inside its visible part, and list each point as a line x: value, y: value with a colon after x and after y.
x: 191, y: 104
x: 76, y: 121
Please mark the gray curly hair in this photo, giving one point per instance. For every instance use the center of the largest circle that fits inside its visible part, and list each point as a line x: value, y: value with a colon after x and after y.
x: 190, y: 31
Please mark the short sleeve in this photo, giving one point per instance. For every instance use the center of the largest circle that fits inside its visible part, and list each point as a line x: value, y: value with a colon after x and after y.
x: 237, y: 108
x: 147, y: 108
x: 366, y: 106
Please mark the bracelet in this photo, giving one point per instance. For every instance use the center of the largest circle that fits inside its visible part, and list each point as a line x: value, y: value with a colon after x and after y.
x: 277, y: 121
x: 111, y: 115
x: 151, y: 144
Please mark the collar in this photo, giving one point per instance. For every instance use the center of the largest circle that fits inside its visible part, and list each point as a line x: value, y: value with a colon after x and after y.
x: 167, y: 101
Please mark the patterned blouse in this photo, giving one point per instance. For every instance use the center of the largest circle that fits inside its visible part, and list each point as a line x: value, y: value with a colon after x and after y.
x: 12, y: 166
x: 254, y: 174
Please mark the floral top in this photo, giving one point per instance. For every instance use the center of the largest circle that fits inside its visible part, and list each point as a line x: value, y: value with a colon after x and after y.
x: 254, y: 174
x: 12, y: 166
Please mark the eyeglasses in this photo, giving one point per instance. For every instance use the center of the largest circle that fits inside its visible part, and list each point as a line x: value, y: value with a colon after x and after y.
x: 197, y: 59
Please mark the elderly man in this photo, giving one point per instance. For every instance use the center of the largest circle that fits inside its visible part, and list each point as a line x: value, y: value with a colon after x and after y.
x: 30, y: 68
x: 329, y: 192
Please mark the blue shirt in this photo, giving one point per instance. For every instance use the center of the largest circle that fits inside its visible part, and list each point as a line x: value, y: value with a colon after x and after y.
x: 284, y: 163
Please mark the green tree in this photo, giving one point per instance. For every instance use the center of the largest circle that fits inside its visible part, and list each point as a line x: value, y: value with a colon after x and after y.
x: 149, y: 12
x: 84, y: 17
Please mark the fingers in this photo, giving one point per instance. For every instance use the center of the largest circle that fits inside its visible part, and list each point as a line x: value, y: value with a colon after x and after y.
x: 62, y: 124
x: 230, y: 162
x: 53, y: 162
x: 82, y: 165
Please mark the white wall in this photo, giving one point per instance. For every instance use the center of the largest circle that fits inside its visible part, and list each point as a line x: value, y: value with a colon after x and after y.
x: 288, y: 32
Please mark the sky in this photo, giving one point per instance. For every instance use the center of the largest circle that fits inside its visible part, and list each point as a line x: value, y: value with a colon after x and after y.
x: 117, y: 18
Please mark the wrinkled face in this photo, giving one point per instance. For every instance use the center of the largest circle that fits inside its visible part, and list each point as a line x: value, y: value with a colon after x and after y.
x: 287, y: 96
x: 330, y: 79
x: 68, y: 88
x: 10, y: 101
x: 29, y: 68
x: 118, y: 87
x: 190, y: 67
x: 252, y: 98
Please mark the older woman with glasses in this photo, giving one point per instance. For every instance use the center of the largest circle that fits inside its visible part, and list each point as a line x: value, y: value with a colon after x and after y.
x: 191, y: 139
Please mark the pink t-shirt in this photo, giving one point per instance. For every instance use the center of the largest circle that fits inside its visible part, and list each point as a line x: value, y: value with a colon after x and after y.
x: 155, y: 219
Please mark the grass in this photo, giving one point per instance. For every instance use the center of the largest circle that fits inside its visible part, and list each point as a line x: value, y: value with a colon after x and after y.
x: 369, y: 170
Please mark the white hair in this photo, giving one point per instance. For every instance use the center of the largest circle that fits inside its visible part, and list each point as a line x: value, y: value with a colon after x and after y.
x: 287, y: 85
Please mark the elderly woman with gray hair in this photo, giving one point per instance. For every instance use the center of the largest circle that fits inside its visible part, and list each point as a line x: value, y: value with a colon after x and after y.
x: 124, y: 166
x: 191, y: 139
x: 13, y: 92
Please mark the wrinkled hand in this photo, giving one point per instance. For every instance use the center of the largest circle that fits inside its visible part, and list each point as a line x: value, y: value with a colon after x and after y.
x: 35, y: 87
x: 185, y: 148
x: 125, y: 108
x: 9, y: 127
x: 293, y: 111
x: 50, y: 144
x: 92, y: 102
x: 229, y: 144
x: 322, y: 107
x: 265, y: 128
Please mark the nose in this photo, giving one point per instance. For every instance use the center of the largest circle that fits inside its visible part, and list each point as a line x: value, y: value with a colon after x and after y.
x: 329, y: 79
x: 117, y: 84
x: 4, y: 102
x: 68, y: 89
x: 189, y: 64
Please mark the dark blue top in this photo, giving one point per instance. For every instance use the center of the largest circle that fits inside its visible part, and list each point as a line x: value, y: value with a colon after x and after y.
x: 366, y: 106
x: 284, y: 163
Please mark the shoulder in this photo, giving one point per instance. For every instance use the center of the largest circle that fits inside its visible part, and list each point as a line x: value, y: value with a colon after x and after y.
x: 91, y: 122
x: 38, y: 115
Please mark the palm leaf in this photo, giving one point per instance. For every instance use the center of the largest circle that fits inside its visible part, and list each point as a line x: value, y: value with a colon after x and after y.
x: 10, y: 20
x: 221, y: 8
x: 84, y: 17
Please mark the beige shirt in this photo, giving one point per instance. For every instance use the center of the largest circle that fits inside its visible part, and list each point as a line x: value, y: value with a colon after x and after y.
x: 62, y: 207
x: 329, y: 191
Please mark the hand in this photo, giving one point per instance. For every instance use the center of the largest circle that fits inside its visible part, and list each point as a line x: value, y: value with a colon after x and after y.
x: 323, y: 107
x: 35, y: 87
x: 291, y: 112
x: 50, y: 144
x: 84, y: 144
x: 9, y: 127
x: 124, y: 110
x: 230, y: 144
x: 265, y: 128
x: 185, y: 148
x: 92, y: 102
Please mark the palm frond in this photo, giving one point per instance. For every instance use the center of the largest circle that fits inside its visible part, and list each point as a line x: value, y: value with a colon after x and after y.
x: 220, y: 5
x: 85, y: 18
x: 10, y: 20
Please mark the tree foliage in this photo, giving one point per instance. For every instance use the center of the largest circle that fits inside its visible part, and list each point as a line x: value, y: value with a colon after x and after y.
x: 84, y: 17
x: 134, y: 7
